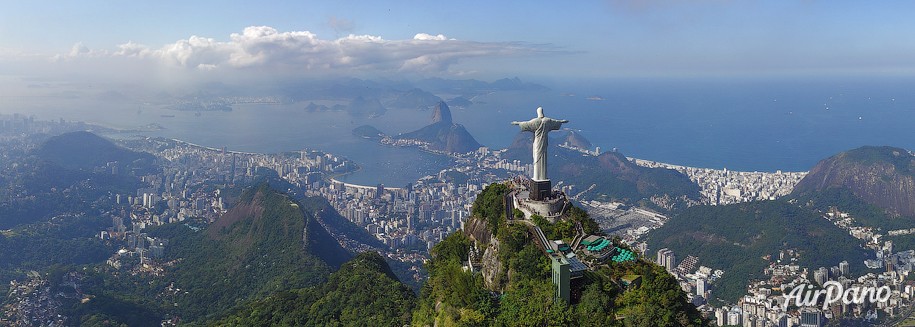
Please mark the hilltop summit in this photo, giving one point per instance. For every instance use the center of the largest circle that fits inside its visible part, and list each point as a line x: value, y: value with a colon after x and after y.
x: 441, y: 113
x: 880, y: 175
x: 498, y: 272
x: 84, y: 151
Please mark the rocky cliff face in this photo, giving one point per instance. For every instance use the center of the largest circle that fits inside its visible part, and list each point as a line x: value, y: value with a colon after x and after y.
x: 443, y: 134
x: 477, y: 230
x: 441, y: 113
x: 492, y: 268
x: 882, y: 176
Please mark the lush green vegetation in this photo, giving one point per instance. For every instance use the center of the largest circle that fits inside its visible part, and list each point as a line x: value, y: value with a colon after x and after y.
x: 901, y: 242
x: 63, y: 240
x: 367, y: 131
x: 869, y: 155
x: 658, y: 301
x: 61, y: 177
x: 456, y: 297
x: 452, y: 294
x: 43, y: 246
x: 364, y: 292
x: 110, y: 307
x: 865, y: 214
x: 738, y: 238
x: 253, y: 251
x: 564, y: 229
x: 53, y: 190
x: 490, y: 205
x: 333, y: 220
x: 266, y: 244
x: 85, y: 151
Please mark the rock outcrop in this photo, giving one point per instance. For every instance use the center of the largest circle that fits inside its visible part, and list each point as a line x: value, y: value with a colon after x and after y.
x: 443, y: 134
x: 882, y: 176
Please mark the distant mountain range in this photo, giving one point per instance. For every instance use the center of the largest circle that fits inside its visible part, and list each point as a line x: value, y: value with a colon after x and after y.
x: 401, y: 94
x: 414, y: 99
x: 470, y: 86
x: 358, y: 106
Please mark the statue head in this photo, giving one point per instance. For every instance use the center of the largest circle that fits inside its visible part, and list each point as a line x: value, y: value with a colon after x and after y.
x: 539, y: 112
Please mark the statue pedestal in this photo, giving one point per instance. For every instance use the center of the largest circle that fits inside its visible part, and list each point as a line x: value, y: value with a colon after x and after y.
x: 550, y: 207
x: 540, y: 190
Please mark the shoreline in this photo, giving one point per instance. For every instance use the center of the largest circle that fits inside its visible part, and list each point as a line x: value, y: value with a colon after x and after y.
x: 649, y: 163
x: 638, y: 161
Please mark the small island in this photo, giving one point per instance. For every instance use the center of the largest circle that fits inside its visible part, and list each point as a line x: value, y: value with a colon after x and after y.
x: 368, y: 132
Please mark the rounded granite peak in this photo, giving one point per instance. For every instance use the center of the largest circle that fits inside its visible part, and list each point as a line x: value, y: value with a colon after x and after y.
x: 441, y: 113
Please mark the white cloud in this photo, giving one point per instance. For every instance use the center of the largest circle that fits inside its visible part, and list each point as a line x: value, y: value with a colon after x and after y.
x: 266, y: 49
x: 429, y: 37
x: 78, y: 50
x: 131, y: 49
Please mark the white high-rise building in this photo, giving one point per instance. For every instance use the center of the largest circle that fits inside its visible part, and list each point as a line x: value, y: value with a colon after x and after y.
x: 721, y: 317
x: 701, y: 287
x: 734, y: 318
x: 667, y: 259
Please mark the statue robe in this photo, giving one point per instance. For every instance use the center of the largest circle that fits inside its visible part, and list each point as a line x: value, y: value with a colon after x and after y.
x: 540, y: 127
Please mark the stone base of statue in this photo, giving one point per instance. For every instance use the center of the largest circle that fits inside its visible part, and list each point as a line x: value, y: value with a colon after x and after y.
x: 541, y: 190
x: 537, y: 198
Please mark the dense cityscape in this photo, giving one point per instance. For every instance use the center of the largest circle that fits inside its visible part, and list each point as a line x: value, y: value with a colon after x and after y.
x: 410, y: 220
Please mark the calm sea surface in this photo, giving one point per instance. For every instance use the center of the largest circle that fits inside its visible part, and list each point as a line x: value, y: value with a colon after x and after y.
x: 750, y: 125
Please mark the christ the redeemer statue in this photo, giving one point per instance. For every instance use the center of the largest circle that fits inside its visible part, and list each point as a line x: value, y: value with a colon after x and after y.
x: 540, y: 126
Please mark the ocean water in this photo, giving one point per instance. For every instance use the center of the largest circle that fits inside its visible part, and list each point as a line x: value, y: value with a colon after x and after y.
x: 739, y: 124
x: 747, y: 125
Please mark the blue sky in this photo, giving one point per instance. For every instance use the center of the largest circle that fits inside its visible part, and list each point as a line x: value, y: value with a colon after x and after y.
x: 482, y: 39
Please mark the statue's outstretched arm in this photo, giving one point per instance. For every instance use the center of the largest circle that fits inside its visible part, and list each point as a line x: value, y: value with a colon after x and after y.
x: 516, y: 123
x: 563, y: 121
